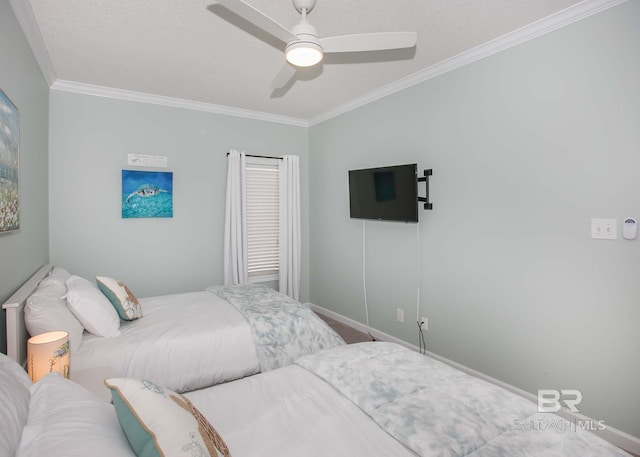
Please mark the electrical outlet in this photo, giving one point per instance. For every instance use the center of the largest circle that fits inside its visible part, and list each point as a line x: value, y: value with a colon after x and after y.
x: 424, y: 323
x: 400, y: 315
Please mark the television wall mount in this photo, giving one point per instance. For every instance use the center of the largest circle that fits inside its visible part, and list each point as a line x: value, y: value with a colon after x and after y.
x: 425, y: 179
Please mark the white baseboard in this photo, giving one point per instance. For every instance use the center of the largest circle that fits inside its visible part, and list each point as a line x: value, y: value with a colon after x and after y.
x: 618, y: 437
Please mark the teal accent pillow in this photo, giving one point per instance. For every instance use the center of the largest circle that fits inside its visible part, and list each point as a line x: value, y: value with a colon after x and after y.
x: 121, y: 297
x: 161, y: 423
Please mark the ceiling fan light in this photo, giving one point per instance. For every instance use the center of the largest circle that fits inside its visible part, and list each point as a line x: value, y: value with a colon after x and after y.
x: 303, y: 54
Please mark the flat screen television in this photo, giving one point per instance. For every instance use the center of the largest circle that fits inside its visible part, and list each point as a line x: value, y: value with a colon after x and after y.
x: 385, y: 193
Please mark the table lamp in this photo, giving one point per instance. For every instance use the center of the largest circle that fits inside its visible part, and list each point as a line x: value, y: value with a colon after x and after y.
x: 46, y: 353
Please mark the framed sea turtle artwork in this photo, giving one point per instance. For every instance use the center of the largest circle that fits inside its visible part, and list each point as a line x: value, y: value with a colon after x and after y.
x: 9, y: 165
x: 147, y: 194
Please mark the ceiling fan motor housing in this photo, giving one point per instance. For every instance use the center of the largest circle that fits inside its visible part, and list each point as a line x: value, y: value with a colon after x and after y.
x: 306, y: 50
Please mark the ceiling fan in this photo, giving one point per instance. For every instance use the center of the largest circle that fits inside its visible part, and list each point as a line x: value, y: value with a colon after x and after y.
x: 303, y: 46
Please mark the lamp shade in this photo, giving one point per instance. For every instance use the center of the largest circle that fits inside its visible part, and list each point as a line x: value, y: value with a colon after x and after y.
x: 46, y: 353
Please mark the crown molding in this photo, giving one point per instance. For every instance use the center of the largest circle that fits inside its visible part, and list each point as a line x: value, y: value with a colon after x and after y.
x: 27, y: 20
x: 25, y: 17
x: 582, y: 10
x: 541, y: 27
x: 120, y: 94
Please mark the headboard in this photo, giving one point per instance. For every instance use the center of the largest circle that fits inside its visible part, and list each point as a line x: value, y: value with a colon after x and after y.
x: 17, y: 334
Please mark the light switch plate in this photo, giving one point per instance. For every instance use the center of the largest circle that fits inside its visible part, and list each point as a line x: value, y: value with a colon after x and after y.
x: 604, y: 229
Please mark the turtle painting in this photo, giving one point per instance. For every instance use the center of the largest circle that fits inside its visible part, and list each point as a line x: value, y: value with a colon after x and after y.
x: 146, y: 190
x: 147, y: 194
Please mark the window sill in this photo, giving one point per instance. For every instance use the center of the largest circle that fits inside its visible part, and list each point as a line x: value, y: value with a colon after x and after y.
x: 263, y: 278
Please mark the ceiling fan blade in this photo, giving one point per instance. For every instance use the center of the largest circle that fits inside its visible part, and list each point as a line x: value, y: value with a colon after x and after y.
x: 284, y: 76
x: 257, y: 18
x: 369, y: 42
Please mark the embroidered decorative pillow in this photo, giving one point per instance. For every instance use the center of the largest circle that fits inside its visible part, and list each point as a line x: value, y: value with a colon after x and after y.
x: 160, y: 422
x: 121, y: 297
x: 91, y: 307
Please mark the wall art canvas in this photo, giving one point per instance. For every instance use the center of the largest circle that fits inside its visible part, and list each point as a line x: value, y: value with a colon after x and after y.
x: 147, y: 194
x: 9, y: 165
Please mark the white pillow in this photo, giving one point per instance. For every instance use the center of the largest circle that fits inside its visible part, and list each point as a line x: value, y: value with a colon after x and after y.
x: 160, y: 422
x: 91, y: 307
x: 46, y: 311
x: 121, y: 297
x: 14, y: 404
x: 57, y: 274
x: 66, y: 420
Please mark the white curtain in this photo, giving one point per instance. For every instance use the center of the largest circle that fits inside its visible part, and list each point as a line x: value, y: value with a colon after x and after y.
x: 235, y: 231
x: 290, y: 226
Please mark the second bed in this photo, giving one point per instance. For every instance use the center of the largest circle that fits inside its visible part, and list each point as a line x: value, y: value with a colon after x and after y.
x: 184, y: 341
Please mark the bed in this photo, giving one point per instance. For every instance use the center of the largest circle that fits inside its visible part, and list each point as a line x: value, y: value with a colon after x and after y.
x: 183, y: 341
x: 370, y: 398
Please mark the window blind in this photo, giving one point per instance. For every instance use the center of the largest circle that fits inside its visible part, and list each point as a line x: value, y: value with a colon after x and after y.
x: 263, y: 219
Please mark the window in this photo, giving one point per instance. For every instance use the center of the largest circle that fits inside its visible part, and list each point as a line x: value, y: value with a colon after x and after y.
x: 263, y: 218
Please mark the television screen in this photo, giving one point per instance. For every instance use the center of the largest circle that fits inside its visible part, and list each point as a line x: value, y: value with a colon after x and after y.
x: 386, y: 193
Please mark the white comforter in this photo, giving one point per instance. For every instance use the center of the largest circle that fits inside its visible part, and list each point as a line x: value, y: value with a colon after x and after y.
x: 290, y: 412
x: 183, y: 342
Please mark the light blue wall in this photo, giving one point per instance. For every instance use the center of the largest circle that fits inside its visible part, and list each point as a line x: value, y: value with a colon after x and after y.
x: 23, y: 252
x: 90, y: 139
x: 526, y: 147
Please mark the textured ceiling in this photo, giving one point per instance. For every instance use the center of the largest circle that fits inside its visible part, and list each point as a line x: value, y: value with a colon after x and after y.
x: 197, y: 51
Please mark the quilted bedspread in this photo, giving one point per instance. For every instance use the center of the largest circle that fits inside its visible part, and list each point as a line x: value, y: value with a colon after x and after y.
x: 437, y: 410
x: 282, y: 328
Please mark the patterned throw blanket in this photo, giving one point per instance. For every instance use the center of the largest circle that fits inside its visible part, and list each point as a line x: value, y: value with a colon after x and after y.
x: 282, y: 328
x: 437, y: 410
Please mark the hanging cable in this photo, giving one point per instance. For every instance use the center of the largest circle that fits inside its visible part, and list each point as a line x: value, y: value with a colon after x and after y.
x: 419, y: 272
x: 364, y: 279
x: 421, y: 338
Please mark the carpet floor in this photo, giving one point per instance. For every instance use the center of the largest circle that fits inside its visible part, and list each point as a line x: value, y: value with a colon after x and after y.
x: 348, y: 334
